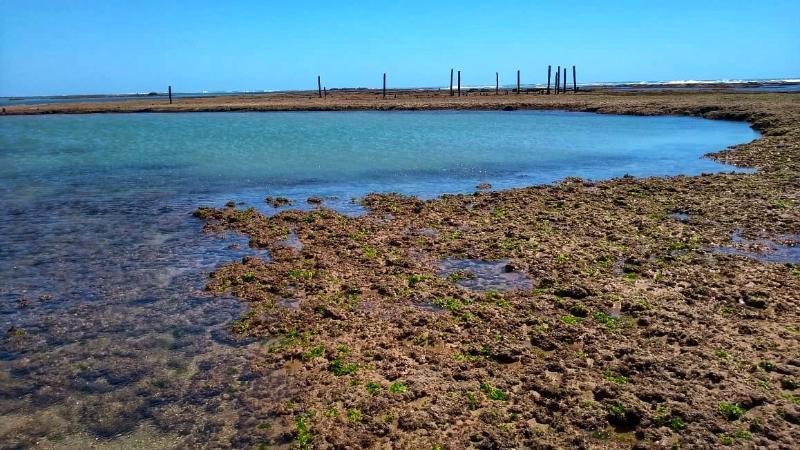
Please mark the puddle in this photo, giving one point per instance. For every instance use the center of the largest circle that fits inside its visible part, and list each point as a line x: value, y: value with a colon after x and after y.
x: 292, y: 242
x: 679, y: 216
x: 781, y: 249
x: 288, y: 303
x: 480, y: 275
x: 426, y: 232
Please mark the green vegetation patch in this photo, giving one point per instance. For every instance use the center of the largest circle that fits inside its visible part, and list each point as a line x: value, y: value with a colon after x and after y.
x: 397, y: 387
x: 571, y: 320
x: 303, y: 274
x: 493, y: 393
x: 731, y: 411
x: 339, y: 367
x: 614, y: 378
x: 416, y: 279
x: 303, y: 432
x: 451, y: 304
x: 354, y: 415
x: 314, y: 352
x: 372, y: 387
x: 611, y: 323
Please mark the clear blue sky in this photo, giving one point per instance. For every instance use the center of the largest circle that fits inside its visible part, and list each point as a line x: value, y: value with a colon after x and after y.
x: 117, y: 46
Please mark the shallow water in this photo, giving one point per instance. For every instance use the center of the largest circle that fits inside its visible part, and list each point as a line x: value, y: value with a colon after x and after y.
x: 778, y: 249
x: 106, y: 332
x: 483, y: 276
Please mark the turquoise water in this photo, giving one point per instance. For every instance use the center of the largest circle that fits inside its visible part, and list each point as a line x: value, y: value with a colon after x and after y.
x: 425, y: 153
x: 102, y: 265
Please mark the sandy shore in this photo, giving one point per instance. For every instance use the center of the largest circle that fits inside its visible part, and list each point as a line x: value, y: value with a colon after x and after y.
x: 627, y: 328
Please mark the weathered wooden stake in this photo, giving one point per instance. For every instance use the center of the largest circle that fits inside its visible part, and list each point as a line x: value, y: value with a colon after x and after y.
x: 459, y: 83
x: 319, y: 86
x: 169, y: 91
x: 496, y: 83
x: 451, y: 82
x: 574, y: 81
x: 564, y: 84
x: 558, y: 79
x: 384, y: 84
x: 324, y: 91
x: 549, y: 68
x: 518, y: 91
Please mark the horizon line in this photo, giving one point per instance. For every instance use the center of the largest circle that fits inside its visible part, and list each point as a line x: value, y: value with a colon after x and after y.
x: 784, y: 80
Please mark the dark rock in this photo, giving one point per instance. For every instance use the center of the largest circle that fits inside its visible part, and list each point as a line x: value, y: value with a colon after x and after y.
x: 755, y: 300
x: 277, y: 202
x: 576, y: 292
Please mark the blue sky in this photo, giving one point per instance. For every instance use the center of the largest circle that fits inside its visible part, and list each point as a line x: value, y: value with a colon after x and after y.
x: 112, y: 46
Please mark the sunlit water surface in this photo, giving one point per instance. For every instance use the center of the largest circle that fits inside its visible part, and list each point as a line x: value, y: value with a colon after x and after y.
x: 107, y: 335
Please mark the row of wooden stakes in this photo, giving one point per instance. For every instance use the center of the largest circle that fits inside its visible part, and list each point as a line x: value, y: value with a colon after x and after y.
x: 560, y: 83
x: 559, y: 88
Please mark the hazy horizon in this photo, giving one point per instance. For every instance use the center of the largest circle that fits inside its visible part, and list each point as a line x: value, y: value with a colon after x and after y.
x: 313, y: 88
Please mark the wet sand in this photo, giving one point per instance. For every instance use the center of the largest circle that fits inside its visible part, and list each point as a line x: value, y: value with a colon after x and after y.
x: 626, y: 325
x: 638, y: 330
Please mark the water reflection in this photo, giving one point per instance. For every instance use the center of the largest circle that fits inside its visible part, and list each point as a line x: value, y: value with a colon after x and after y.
x: 480, y: 275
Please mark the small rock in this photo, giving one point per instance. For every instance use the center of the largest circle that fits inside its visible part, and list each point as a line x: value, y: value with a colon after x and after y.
x: 484, y: 186
x: 277, y: 202
x: 576, y: 292
x: 755, y: 300
x: 314, y: 200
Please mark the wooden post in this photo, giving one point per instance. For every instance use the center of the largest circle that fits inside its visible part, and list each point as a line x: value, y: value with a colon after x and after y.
x: 169, y: 90
x: 324, y: 91
x: 558, y: 79
x: 459, y: 83
x: 319, y: 86
x: 384, y: 84
x: 518, y: 91
x: 451, y: 82
x: 549, y: 68
x: 564, y: 83
x: 496, y: 83
x: 574, y: 81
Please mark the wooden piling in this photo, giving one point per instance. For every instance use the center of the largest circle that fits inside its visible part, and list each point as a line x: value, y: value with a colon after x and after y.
x: 459, y: 83
x: 451, y: 82
x: 324, y: 91
x: 549, y: 68
x: 169, y: 92
x: 496, y: 83
x: 518, y: 90
x: 574, y: 81
x: 384, y: 84
x: 564, y: 84
x: 319, y: 86
x: 558, y: 79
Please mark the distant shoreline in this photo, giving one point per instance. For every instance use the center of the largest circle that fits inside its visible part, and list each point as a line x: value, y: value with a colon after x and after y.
x: 372, y: 99
x: 700, y: 84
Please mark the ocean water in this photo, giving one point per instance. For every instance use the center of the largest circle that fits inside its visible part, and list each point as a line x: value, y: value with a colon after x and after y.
x: 105, y: 331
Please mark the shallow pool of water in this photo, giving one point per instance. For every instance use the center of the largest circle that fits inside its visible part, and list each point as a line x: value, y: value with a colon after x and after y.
x: 777, y: 249
x: 106, y: 330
